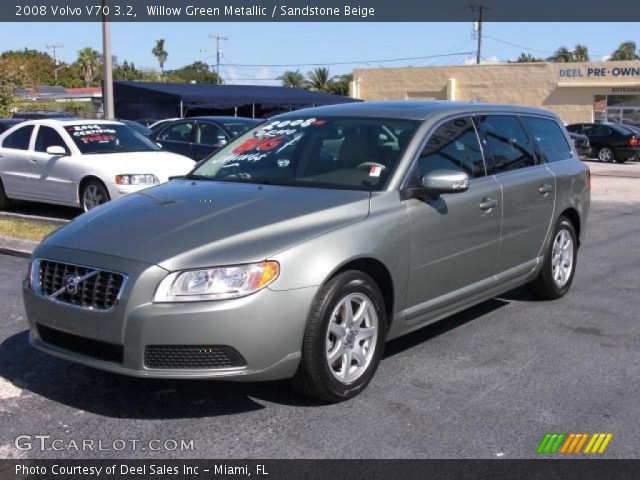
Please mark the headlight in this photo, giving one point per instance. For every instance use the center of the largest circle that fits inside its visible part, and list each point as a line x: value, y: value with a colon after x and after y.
x: 216, y: 283
x: 137, y: 179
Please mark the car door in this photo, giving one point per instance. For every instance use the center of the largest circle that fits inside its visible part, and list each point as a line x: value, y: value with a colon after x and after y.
x: 14, y: 163
x: 177, y: 137
x: 454, y: 238
x: 209, y: 137
x: 528, y: 192
x: 53, y: 173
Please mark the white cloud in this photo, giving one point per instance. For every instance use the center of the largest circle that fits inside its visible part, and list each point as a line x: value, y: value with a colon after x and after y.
x: 263, y: 76
x: 605, y: 58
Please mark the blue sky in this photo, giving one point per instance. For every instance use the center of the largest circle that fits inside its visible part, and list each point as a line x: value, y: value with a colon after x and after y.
x: 325, y: 43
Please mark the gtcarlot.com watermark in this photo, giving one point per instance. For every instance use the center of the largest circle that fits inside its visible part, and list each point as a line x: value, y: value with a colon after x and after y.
x: 51, y: 443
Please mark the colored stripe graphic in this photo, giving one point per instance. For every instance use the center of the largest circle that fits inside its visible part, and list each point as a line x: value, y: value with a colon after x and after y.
x: 574, y: 443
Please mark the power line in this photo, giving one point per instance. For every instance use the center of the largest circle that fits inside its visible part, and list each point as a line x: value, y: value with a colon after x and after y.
x: 328, y: 64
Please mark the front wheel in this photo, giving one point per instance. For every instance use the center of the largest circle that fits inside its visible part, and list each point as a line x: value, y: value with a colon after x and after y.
x: 556, y: 276
x: 94, y: 193
x: 606, y: 155
x: 344, y: 338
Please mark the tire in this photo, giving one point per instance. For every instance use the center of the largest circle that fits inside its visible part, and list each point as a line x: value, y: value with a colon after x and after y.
x: 606, y: 155
x: 328, y: 334
x: 93, y: 194
x: 5, y: 202
x: 555, y: 278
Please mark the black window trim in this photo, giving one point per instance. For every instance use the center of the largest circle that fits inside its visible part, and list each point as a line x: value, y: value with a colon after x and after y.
x: 404, y: 183
x: 65, y: 143
x: 210, y: 122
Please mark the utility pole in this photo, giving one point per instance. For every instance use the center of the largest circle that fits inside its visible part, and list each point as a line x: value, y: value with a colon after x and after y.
x: 480, y: 9
x: 54, y: 47
x: 217, y: 39
x: 107, y: 82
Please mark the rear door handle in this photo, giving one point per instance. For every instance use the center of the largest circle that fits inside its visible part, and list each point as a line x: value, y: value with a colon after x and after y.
x: 488, y: 204
x: 545, y: 188
x: 34, y: 160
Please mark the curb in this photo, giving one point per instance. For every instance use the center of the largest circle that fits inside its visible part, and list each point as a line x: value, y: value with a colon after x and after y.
x: 16, y: 247
x: 34, y: 218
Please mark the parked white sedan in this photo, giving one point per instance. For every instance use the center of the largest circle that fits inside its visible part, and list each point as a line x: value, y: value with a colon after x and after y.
x: 81, y: 163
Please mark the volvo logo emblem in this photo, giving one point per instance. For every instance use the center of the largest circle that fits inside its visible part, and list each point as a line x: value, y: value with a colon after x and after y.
x: 71, y: 285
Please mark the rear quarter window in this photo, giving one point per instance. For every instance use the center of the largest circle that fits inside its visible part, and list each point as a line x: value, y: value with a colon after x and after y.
x: 549, y: 139
x: 20, y: 139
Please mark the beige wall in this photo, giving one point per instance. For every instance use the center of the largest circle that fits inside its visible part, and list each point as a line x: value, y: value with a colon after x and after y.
x: 532, y: 84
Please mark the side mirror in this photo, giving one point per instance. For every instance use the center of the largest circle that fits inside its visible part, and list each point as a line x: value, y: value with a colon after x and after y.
x: 437, y: 182
x: 446, y: 181
x: 57, y: 150
x: 159, y: 144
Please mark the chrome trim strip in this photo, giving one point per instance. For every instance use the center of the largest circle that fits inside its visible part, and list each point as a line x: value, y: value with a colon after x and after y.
x: 35, y: 285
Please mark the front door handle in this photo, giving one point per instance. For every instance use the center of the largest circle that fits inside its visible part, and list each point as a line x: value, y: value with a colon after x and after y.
x: 545, y: 188
x: 488, y: 204
x: 33, y: 160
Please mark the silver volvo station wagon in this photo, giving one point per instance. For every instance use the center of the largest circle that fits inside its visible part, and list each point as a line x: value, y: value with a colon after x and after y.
x: 300, y: 248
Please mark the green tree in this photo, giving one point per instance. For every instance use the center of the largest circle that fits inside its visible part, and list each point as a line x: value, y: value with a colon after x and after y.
x: 319, y: 80
x: 580, y: 53
x: 13, y: 74
x: 198, y: 72
x: 38, y: 66
x: 293, y: 79
x: 160, y: 53
x: 340, y: 85
x: 563, y: 54
x: 526, y: 58
x: 626, y: 51
x: 127, y: 71
x: 89, y: 63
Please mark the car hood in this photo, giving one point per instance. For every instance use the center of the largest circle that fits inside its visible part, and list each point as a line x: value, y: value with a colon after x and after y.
x: 190, y: 224
x: 161, y: 164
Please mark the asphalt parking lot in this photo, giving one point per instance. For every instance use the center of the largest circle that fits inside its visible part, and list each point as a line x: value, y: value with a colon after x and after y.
x: 486, y: 383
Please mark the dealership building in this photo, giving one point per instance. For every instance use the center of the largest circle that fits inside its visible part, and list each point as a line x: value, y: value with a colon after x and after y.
x: 577, y: 92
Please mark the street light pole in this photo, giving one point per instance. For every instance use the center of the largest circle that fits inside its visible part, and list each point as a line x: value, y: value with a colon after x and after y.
x: 107, y: 82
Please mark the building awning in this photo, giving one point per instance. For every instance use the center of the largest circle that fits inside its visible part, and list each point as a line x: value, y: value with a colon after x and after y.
x: 599, y: 84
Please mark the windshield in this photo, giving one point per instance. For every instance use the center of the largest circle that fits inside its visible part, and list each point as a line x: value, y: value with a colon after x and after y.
x: 346, y: 153
x: 98, y: 138
x: 236, y: 128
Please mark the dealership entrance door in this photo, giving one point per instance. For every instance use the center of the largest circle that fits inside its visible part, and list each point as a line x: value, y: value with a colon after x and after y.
x: 623, y: 109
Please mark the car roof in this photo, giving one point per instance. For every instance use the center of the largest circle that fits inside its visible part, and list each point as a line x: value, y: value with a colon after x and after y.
x: 414, y: 110
x: 64, y: 122
x: 222, y: 118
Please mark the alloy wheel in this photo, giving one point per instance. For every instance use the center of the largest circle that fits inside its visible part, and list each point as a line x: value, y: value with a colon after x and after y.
x: 92, y: 197
x: 351, y: 337
x: 605, y: 155
x: 562, y: 258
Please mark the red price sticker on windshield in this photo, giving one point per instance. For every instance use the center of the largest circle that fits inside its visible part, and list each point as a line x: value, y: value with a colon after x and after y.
x: 260, y: 144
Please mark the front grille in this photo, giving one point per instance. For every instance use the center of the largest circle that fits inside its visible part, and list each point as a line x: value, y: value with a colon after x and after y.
x: 192, y: 356
x: 109, y: 352
x: 98, y: 292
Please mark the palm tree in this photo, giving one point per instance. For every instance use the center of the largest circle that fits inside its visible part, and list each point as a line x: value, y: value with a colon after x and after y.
x: 340, y: 85
x: 319, y: 80
x: 88, y: 61
x: 626, y: 51
x: 526, y: 58
x: 563, y: 54
x: 293, y: 79
x: 580, y: 53
x: 160, y: 53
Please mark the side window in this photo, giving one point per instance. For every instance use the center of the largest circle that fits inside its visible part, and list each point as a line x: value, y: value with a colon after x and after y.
x: 574, y: 128
x: 210, y: 134
x: 549, y: 138
x: 48, y: 137
x: 508, y: 145
x: 600, y: 131
x: 453, y: 146
x: 179, y: 132
x: 19, y: 140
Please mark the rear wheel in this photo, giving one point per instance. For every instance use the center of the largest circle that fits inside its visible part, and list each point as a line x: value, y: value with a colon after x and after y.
x: 344, y: 339
x: 606, y: 155
x: 556, y: 276
x: 93, y: 194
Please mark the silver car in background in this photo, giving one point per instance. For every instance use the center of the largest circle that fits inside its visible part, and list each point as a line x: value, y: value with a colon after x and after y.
x: 300, y: 248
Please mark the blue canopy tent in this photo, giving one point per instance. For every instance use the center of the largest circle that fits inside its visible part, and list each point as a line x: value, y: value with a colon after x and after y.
x: 136, y: 100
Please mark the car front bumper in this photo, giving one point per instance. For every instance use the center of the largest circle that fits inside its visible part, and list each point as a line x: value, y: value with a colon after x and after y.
x: 265, y: 328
